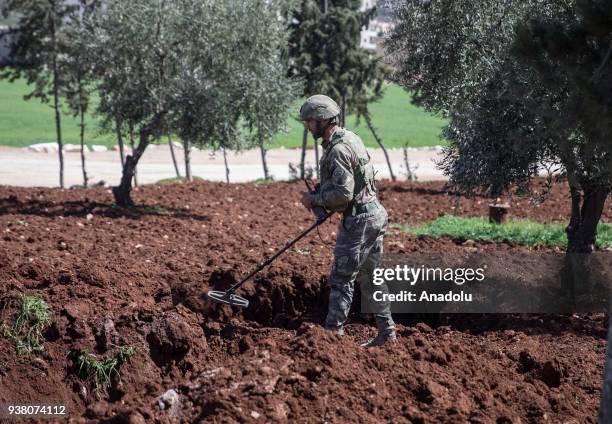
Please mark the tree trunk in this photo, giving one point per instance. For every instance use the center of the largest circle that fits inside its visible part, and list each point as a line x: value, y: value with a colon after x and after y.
x: 176, y: 168
x: 131, y: 130
x: 582, y: 229
x: 303, y: 158
x: 581, y: 237
x: 368, y: 120
x: 56, y: 106
x: 187, y: 153
x: 227, y: 170
x: 118, y: 126
x: 605, y: 407
x: 410, y: 175
x: 316, y: 149
x: 343, y: 111
x: 122, y: 191
x: 263, y: 158
x: 82, y: 113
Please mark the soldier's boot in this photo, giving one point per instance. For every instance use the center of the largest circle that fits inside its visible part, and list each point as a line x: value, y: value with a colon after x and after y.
x: 383, y: 338
x: 339, y: 331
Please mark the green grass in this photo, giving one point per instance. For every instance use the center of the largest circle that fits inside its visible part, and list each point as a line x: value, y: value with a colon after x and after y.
x: 28, y: 122
x: 174, y: 180
x: 31, y: 319
x: 522, y: 232
x: 396, y: 120
x: 263, y: 181
x: 100, y: 372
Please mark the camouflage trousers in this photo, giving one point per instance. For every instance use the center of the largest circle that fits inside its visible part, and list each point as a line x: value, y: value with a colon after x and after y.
x: 359, y: 247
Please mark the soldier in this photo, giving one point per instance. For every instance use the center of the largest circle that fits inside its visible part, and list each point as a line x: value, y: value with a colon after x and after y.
x: 347, y: 186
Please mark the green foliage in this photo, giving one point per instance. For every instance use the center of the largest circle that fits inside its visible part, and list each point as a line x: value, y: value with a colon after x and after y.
x: 569, y: 54
x: 176, y: 180
x: 455, y: 56
x: 340, y: 69
x: 516, y: 79
x: 77, y: 67
x: 193, y: 62
x: 522, y: 232
x: 526, y: 86
x: 263, y: 181
x: 31, y: 319
x: 42, y: 41
x: 100, y: 372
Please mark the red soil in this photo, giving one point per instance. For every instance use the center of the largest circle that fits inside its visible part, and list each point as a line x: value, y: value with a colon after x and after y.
x: 138, y: 277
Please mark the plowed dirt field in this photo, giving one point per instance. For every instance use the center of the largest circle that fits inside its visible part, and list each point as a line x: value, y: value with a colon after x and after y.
x: 138, y: 277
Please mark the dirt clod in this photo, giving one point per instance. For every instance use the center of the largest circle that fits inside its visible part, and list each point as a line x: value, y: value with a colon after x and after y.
x: 171, y: 335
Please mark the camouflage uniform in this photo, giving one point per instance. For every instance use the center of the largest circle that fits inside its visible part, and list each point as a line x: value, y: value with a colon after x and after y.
x: 347, y: 184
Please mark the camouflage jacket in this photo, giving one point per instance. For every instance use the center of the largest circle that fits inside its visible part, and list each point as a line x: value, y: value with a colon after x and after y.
x: 346, y: 172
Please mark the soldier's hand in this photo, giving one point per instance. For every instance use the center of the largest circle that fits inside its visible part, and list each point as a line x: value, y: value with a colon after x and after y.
x: 306, y: 201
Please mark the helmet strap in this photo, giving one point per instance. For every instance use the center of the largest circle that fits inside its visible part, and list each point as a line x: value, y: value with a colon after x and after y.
x: 320, y: 130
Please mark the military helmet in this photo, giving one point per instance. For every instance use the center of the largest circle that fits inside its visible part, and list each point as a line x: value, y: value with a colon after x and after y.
x: 319, y: 107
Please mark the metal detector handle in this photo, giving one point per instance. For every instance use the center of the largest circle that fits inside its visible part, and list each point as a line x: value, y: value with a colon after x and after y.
x: 278, y: 253
x: 318, y: 211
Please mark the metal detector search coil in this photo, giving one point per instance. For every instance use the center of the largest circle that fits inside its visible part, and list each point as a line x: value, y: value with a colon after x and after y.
x: 227, y: 298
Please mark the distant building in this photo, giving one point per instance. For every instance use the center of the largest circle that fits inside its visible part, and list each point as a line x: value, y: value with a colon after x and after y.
x: 373, y: 35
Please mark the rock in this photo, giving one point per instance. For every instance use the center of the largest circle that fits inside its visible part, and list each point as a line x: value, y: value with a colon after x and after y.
x: 255, y: 414
x: 44, y: 147
x: 77, y: 309
x: 423, y: 328
x: 280, y: 411
x: 171, y: 334
x: 106, y: 334
x: 551, y: 373
x: 89, y: 216
x: 98, y: 410
x: 72, y: 148
x: 99, y: 148
x: 136, y: 418
x: 168, y: 400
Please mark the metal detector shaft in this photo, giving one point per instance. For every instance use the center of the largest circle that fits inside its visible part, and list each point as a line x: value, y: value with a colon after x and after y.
x: 278, y: 253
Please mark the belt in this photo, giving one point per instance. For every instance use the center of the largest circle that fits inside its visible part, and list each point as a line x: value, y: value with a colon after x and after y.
x: 363, y: 208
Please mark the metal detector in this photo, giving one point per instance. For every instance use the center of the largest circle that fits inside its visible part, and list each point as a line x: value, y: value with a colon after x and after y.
x: 229, y: 298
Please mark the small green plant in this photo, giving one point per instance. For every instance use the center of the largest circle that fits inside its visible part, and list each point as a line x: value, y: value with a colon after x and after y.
x: 31, y: 319
x: 522, y: 232
x: 174, y: 180
x: 261, y: 181
x: 99, y: 372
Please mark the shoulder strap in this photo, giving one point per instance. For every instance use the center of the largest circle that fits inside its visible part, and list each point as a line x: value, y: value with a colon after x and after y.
x: 360, y: 177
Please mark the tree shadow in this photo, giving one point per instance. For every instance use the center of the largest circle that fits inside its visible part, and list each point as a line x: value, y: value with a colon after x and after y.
x: 428, y: 191
x: 81, y: 208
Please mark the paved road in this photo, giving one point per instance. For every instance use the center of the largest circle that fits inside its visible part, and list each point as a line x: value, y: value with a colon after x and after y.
x: 23, y: 167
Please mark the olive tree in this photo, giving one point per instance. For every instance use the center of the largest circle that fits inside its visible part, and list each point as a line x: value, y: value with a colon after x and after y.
x: 180, y: 65
x: 511, y: 104
x: 37, y: 52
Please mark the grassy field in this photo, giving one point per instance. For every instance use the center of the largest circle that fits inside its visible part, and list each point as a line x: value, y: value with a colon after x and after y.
x: 398, y: 122
x: 523, y: 232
